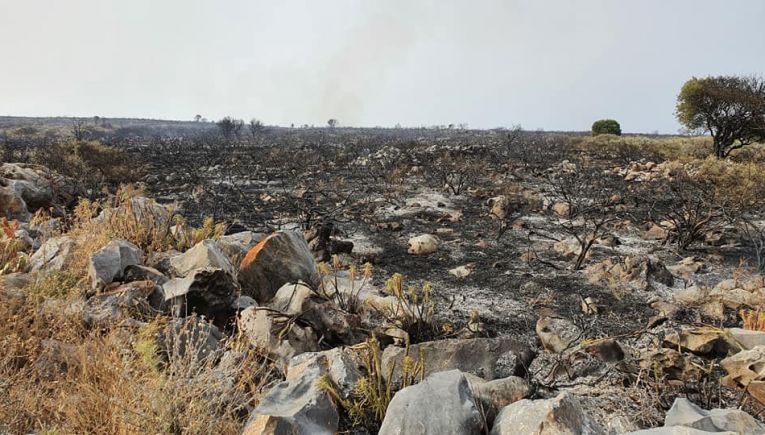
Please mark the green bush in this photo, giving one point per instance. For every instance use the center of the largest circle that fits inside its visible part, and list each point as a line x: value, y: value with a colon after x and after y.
x: 606, y: 126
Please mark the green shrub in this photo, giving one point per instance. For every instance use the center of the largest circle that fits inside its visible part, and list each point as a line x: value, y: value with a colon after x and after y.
x: 606, y: 126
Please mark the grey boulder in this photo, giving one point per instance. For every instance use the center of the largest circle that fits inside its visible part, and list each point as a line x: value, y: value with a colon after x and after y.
x: 562, y: 415
x: 108, y: 263
x: 442, y: 404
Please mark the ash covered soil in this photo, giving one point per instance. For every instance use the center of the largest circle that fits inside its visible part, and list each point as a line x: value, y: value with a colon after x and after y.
x: 508, y: 212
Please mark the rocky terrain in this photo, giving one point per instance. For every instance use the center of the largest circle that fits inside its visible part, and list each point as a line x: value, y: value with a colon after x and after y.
x: 396, y: 282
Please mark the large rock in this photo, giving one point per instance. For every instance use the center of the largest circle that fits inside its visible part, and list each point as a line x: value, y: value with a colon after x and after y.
x: 477, y: 356
x: 108, y: 263
x: 209, y: 292
x: 343, y: 368
x: 24, y: 188
x: 297, y: 405
x: 697, y: 340
x: 746, y: 370
x: 273, y: 334
x: 54, y: 254
x: 561, y: 415
x: 746, y: 339
x: 236, y: 246
x: 558, y: 334
x: 442, y: 404
x: 279, y: 259
x: 204, y: 254
x: 685, y: 413
x: 128, y: 303
x: 686, y: 418
x: 291, y: 299
x: 495, y: 395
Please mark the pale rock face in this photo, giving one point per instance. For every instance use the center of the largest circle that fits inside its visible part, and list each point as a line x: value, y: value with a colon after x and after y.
x: 52, y: 255
x: 204, y: 254
x: 558, y: 416
x: 297, y: 405
x: 442, y: 404
x: 281, y: 258
x: 108, y: 264
x: 498, y: 206
x: 422, y: 245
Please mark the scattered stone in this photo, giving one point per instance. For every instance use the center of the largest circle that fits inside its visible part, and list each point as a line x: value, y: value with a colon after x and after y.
x: 697, y: 340
x: 557, y: 334
x: 297, y: 405
x: 746, y: 370
x: 477, y: 356
x: 462, y: 271
x: 54, y: 254
x: 108, y: 263
x: 128, y: 303
x: 561, y: 415
x: 209, y: 292
x: 687, y: 418
x: 236, y: 246
x: 422, y: 245
x: 271, y: 333
x: 746, y: 339
x: 280, y: 258
x: 343, y: 369
x: 205, y: 254
x: 442, y: 404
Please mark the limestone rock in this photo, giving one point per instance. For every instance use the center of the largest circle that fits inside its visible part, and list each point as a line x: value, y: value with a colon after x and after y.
x: 296, y: 406
x: 343, y: 369
x: 745, y: 369
x: 209, y: 292
x: 561, y: 415
x: 204, y: 254
x: 280, y: 258
x: 687, y: 418
x: 478, y: 356
x: 108, y: 263
x: 697, y: 340
x: 266, y: 331
x: 236, y: 246
x: 557, y: 334
x: 746, y: 339
x: 120, y: 305
x: 442, y: 404
x: 422, y: 245
x: 54, y: 254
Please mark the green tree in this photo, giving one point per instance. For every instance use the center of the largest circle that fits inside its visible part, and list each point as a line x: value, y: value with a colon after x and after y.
x: 730, y: 108
x: 606, y: 126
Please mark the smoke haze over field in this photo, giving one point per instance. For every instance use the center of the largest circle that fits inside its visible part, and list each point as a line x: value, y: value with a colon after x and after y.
x: 555, y: 64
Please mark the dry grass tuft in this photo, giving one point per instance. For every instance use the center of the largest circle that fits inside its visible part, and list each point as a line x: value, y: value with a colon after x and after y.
x: 58, y: 377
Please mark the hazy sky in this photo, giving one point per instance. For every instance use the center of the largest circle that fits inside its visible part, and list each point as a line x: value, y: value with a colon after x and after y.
x: 552, y: 64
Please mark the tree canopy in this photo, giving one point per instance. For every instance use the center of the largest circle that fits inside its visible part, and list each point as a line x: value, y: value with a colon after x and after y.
x: 730, y: 108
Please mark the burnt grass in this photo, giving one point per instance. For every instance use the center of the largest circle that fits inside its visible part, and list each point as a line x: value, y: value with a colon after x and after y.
x: 364, y: 180
x: 347, y: 175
